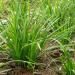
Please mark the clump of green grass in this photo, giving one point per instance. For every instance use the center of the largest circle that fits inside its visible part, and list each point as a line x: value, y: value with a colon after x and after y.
x: 61, y: 11
x: 25, y: 37
x: 69, y: 67
x: 67, y: 61
x: 30, y: 28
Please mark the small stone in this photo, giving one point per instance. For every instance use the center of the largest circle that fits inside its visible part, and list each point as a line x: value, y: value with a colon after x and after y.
x: 37, y: 73
x: 4, y: 22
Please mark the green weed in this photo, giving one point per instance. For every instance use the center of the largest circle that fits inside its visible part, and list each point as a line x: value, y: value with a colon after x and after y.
x: 29, y: 29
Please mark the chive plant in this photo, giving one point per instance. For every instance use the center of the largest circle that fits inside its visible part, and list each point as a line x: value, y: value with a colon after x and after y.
x: 69, y: 67
x: 29, y: 29
x: 25, y: 34
x: 61, y: 11
x: 66, y: 13
x: 67, y: 62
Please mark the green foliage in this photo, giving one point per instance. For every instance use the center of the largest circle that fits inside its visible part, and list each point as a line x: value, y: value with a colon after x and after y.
x: 24, y: 36
x: 67, y: 61
x: 30, y: 28
x: 69, y: 67
x: 1, y: 5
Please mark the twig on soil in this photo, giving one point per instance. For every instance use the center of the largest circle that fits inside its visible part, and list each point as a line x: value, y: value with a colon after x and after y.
x: 7, y: 63
x: 4, y: 71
